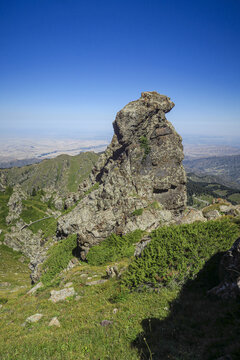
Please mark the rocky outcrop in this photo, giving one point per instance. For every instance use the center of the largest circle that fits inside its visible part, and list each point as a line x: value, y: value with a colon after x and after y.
x: 15, y: 204
x: 139, y: 182
x: 229, y: 273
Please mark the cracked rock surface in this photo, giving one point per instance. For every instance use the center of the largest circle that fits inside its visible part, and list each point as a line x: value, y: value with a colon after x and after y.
x: 138, y: 182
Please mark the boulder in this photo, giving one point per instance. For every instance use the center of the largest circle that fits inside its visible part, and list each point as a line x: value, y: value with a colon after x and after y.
x: 138, y: 182
x: 212, y: 215
x: 191, y: 216
x: 35, y: 288
x: 60, y: 295
x: 54, y: 322
x: 34, y: 318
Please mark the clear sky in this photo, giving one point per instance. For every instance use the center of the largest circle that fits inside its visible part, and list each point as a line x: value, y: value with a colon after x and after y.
x: 67, y: 66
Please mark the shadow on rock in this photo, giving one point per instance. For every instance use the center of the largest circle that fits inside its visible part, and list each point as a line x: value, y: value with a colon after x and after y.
x: 199, y: 327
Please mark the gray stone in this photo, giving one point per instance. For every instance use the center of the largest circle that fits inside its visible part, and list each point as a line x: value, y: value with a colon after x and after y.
x: 106, y: 323
x: 35, y: 288
x: 72, y: 263
x: 60, y: 295
x: 69, y: 284
x: 140, y: 246
x: 34, y: 318
x: 212, y: 215
x: 96, y: 282
x: 54, y: 322
x: 191, y: 216
x: 140, y: 169
x: 112, y: 271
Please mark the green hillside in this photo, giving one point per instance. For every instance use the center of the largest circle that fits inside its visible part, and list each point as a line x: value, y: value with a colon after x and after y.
x: 64, y: 173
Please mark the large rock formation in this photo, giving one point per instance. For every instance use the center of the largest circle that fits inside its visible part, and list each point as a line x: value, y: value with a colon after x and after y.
x: 139, y: 182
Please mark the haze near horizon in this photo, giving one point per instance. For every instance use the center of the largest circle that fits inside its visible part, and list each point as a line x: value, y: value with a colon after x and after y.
x: 66, y: 68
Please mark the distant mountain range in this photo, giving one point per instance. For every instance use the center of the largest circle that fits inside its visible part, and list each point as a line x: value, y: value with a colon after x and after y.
x: 226, y: 169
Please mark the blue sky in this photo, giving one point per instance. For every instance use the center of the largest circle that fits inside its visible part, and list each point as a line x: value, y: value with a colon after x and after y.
x: 67, y: 66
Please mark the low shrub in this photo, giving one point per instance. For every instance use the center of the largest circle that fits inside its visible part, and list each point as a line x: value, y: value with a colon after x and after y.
x: 114, y: 248
x: 58, y: 258
x: 179, y: 252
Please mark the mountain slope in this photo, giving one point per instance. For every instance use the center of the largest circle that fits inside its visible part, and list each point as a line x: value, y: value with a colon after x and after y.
x: 63, y: 173
x: 226, y: 168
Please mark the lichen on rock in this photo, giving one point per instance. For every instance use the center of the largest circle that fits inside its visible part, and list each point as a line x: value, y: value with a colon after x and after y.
x: 140, y: 169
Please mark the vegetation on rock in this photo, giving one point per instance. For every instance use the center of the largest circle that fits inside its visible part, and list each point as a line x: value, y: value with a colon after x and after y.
x: 114, y: 248
x: 179, y: 252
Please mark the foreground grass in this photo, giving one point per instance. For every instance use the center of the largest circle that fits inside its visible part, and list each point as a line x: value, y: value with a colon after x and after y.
x: 178, y: 322
x: 80, y: 336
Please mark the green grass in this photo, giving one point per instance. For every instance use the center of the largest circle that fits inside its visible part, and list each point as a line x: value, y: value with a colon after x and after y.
x: 235, y: 198
x: 171, y: 322
x: 114, y: 248
x: 179, y: 252
x: 4, y: 198
x: 59, y: 256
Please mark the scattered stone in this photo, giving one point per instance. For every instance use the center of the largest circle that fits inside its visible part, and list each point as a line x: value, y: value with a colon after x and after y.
x: 140, y: 246
x: 60, y: 295
x: 5, y: 284
x: 89, y: 278
x: 112, y: 271
x: 69, y: 284
x: 22, y: 259
x: 115, y: 311
x: 83, y: 275
x: 96, y: 282
x: 106, y: 323
x: 229, y: 273
x: 78, y: 297
x: 34, y: 318
x: 212, y: 215
x: 138, y: 182
x: 35, y: 288
x: 191, y: 216
x: 54, y: 322
x: 72, y: 263
x: 0, y: 231
x: 1, y: 306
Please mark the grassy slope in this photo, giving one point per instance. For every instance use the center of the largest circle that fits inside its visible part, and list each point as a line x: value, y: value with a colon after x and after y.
x: 63, y: 172
x: 172, y: 323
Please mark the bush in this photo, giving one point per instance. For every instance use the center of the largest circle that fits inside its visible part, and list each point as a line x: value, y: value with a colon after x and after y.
x: 59, y: 256
x: 114, y: 248
x: 179, y: 252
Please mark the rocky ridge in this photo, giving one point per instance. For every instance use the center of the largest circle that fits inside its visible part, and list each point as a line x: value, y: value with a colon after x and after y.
x: 138, y: 182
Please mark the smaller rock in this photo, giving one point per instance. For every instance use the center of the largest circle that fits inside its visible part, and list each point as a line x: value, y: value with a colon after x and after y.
x: 212, y: 215
x: 96, y: 282
x: 1, y: 306
x: 35, y: 288
x: 191, y: 216
x: 54, y: 322
x: 106, y: 323
x: 72, y: 263
x: 22, y: 259
x: 5, y: 284
x: 34, y: 318
x: 83, y: 275
x: 69, y: 284
x: 115, y: 311
x: 140, y: 246
x: 61, y: 295
x: 112, y: 271
x: 78, y: 297
x: 0, y: 231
